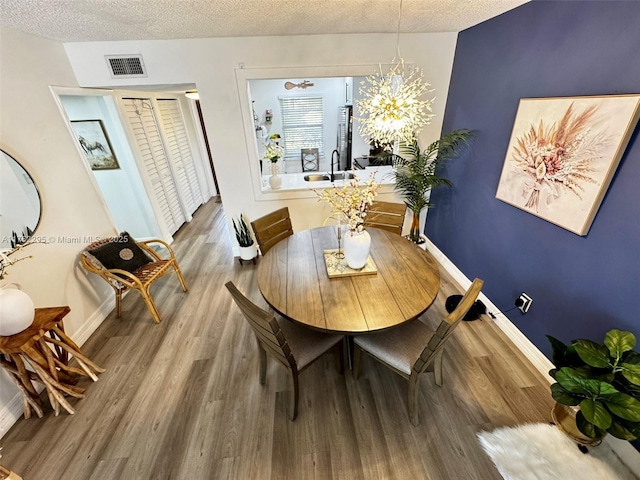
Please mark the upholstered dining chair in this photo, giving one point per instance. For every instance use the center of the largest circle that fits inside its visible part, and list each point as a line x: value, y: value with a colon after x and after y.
x: 129, y: 265
x: 272, y: 228
x: 294, y: 346
x: 386, y: 215
x: 412, y: 348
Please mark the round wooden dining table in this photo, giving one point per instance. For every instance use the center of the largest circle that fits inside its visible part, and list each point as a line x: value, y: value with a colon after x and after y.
x: 293, y: 279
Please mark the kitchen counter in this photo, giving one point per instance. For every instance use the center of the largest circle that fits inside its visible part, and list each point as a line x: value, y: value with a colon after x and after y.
x: 383, y: 175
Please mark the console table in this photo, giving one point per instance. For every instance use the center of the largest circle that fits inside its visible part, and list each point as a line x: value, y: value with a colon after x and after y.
x: 46, y: 348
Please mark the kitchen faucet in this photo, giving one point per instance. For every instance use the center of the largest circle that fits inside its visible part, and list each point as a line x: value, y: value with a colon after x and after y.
x: 333, y: 154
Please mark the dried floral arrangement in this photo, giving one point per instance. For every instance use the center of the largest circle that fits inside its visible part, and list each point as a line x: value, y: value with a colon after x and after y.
x: 560, y: 155
x: 351, y: 200
x: 563, y: 154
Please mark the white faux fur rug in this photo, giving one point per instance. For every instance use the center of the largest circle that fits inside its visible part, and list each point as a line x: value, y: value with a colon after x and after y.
x: 542, y: 452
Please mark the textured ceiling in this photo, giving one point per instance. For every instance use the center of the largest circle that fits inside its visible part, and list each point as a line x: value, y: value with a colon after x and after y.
x: 98, y: 20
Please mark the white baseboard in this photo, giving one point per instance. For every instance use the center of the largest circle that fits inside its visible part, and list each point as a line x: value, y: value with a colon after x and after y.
x: 627, y: 453
x: 95, y: 320
x: 533, y: 354
x: 12, y: 410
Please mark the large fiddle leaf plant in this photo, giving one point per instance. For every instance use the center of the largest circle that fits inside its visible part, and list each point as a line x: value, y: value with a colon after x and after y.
x: 603, y: 380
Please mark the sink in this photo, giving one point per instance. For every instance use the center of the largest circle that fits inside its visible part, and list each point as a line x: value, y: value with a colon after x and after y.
x: 343, y: 176
x: 316, y: 177
x: 323, y: 177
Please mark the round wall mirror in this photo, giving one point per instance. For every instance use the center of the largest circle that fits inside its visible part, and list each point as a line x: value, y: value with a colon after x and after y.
x: 20, y: 204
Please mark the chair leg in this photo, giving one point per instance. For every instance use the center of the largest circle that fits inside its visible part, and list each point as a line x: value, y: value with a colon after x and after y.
x: 412, y: 399
x: 437, y: 367
x: 183, y: 284
x: 146, y: 296
x: 339, y: 350
x: 357, y: 360
x: 294, y: 395
x: 118, y: 303
x: 263, y: 363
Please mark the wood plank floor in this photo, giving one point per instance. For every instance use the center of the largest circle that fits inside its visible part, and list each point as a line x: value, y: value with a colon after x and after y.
x: 181, y: 399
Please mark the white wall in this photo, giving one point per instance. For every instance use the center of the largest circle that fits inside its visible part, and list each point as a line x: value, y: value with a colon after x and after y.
x: 122, y: 188
x: 212, y: 64
x: 359, y: 146
x: 33, y: 131
x: 265, y: 94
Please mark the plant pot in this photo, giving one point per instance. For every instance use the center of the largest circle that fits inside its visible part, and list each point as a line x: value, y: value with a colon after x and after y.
x: 356, y: 248
x: 16, y: 311
x: 275, y: 182
x: 248, y: 253
x: 415, y: 233
x: 565, y: 419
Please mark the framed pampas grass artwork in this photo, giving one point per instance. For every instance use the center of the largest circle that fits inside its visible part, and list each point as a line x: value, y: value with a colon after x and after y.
x: 563, y: 154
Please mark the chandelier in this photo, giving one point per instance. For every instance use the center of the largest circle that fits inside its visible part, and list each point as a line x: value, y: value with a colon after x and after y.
x: 391, y: 107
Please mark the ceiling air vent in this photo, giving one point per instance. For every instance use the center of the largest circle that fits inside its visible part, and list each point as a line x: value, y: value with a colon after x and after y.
x: 126, y: 66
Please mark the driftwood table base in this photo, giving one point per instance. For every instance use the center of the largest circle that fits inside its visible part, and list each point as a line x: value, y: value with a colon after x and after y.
x: 41, y: 353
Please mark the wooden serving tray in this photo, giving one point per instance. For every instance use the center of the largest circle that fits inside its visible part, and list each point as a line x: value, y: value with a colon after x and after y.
x: 337, y: 267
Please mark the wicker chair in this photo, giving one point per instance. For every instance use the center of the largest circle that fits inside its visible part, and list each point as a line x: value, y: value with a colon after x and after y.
x: 141, y: 279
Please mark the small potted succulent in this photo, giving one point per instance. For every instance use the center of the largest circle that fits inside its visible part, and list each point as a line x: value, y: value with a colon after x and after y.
x: 248, y: 249
x: 600, y: 384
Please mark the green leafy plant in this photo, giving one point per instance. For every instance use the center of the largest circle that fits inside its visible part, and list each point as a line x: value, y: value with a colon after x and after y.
x: 603, y: 380
x: 417, y: 171
x: 243, y: 234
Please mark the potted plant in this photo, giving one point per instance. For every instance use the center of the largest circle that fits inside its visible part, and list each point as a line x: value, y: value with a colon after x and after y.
x: 416, y: 172
x: 600, y: 383
x: 273, y: 153
x: 248, y: 250
x: 351, y: 202
x: 275, y: 138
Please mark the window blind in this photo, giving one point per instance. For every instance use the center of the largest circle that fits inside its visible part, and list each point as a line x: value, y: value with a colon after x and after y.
x: 302, y: 125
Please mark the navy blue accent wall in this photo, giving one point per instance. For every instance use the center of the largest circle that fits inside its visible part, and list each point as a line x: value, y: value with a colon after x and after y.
x: 581, y: 286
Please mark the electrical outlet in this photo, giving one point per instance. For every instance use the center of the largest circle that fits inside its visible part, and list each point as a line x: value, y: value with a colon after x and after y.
x: 523, y: 302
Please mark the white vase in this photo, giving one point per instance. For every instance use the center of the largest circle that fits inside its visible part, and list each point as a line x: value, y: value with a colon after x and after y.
x: 16, y: 311
x: 248, y: 253
x: 356, y: 248
x: 275, y: 182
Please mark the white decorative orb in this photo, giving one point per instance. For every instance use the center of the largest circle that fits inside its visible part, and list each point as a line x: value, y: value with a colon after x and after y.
x: 16, y: 311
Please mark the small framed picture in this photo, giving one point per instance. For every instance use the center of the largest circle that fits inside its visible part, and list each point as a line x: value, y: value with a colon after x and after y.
x: 95, y: 144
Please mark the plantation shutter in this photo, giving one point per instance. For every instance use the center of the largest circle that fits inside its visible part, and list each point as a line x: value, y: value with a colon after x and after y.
x: 179, y: 150
x: 302, y: 125
x: 147, y: 134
